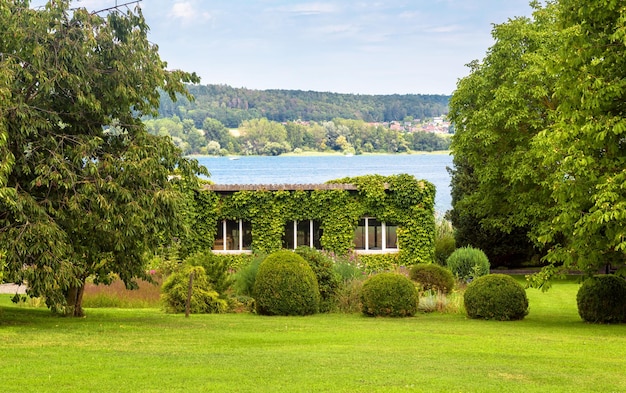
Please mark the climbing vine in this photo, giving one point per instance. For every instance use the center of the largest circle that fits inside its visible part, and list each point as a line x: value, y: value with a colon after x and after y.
x: 398, y: 199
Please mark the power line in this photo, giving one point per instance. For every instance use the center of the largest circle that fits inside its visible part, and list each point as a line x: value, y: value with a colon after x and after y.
x: 117, y: 6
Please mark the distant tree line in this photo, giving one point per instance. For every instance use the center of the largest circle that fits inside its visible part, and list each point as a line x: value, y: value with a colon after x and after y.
x: 231, y: 106
x: 267, y: 137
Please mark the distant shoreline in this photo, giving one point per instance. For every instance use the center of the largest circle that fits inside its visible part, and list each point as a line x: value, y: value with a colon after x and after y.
x: 329, y: 154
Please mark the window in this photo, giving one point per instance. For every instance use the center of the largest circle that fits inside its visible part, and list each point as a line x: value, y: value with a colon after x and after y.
x: 373, y: 235
x: 233, y: 235
x: 302, y: 233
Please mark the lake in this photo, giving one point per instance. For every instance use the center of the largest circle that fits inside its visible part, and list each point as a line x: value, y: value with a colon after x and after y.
x: 319, y: 169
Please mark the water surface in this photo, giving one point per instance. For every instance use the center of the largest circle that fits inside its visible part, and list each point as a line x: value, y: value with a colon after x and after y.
x: 319, y: 169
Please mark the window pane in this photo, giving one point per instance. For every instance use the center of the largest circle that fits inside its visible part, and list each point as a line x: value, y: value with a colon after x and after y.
x: 359, y: 235
x: 304, y: 233
x: 218, y: 244
x: 391, y: 237
x: 288, y: 236
x: 247, y: 235
x: 232, y: 235
x: 375, y: 234
x: 317, y: 235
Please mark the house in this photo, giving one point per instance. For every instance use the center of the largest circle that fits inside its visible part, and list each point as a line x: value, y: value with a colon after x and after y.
x: 369, y: 214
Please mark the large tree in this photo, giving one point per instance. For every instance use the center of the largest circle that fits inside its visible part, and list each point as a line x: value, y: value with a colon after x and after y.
x: 585, y: 149
x: 497, y: 110
x: 541, y: 135
x: 85, y: 191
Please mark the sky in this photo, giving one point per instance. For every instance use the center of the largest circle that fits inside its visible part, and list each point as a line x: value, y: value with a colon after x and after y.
x: 356, y: 47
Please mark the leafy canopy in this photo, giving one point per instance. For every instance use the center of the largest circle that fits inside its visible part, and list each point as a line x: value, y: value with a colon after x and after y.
x: 84, y: 189
x: 541, y: 135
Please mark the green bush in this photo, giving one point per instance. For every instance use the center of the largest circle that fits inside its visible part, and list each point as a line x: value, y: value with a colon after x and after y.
x: 389, y: 295
x: 432, y: 277
x: 285, y: 285
x: 245, y: 277
x: 349, y: 296
x: 496, y: 296
x: 215, y: 268
x: 203, y: 298
x: 468, y: 263
x: 445, y: 244
x: 327, y: 279
x: 602, y: 299
x: 376, y: 263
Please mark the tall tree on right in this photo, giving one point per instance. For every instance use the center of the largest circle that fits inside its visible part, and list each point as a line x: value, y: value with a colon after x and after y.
x: 585, y: 149
x: 497, y: 110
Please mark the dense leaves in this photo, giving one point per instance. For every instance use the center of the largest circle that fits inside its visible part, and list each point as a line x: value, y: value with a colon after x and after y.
x: 84, y: 189
x: 602, y: 299
x: 432, y: 277
x: 496, y: 296
x: 540, y: 138
x: 497, y: 109
x: 231, y: 105
x: 267, y: 137
x: 286, y: 285
x: 389, y: 295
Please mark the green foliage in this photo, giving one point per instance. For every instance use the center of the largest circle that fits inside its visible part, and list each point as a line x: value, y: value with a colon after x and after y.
x: 584, y: 150
x: 407, y: 202
x: 285, y: 285
x: 468, y: 263
x: 497, y: 110
x: 540, y: 137
x: 432, y: 277
x: 85, y: 191
x: 327, y: 279
x: 377, y: 263
x: 348, y: 267
x: 235, y: 262
x: 203, y: 298
x: 389, y: 295
x: 445, y: 243
x: 246, y: 276
x: 233, y: 105
x: 496, y: 296
x: 602, y: 299
x: 215, y: 268
x: 349, y: 296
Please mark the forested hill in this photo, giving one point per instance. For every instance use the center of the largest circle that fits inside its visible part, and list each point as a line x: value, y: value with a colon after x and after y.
x: 233, y: 105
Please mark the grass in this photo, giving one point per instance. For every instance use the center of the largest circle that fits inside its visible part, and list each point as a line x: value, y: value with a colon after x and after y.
x: 145, y: 350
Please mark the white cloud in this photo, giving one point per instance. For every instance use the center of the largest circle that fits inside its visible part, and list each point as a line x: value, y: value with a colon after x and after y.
x: 187, y: 12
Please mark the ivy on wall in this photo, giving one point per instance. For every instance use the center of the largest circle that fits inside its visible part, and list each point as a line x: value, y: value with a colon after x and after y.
x: 399, y: 199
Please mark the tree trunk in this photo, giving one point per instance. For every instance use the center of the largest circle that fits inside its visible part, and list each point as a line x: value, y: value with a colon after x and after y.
x: 74, y: 299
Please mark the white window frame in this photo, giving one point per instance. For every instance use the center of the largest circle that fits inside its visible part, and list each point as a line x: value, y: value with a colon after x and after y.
x: 239, y: 249
x: 383, y: 249
x: 311, y: 234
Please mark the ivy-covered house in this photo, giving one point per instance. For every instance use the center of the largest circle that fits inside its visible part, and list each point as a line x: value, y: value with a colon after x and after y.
x: 368, y: 214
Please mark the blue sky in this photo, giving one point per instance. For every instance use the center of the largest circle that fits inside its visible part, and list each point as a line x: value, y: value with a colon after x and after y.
x: 363, y: 47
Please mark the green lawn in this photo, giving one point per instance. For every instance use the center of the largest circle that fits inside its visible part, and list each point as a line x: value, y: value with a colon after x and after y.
x: 144, y: 350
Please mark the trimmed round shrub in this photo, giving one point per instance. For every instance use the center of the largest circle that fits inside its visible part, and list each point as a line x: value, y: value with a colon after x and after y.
x: 389, y: 295
x: 204, y: 299
x: 285, y: 285
x: 602, y: 299
x: 496, y: 296
x: 468, y: 263
x: 432, y: 277
x: 327, y: 279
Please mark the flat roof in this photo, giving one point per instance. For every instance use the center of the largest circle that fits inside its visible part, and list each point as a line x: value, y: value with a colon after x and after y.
x: 278, y: 187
